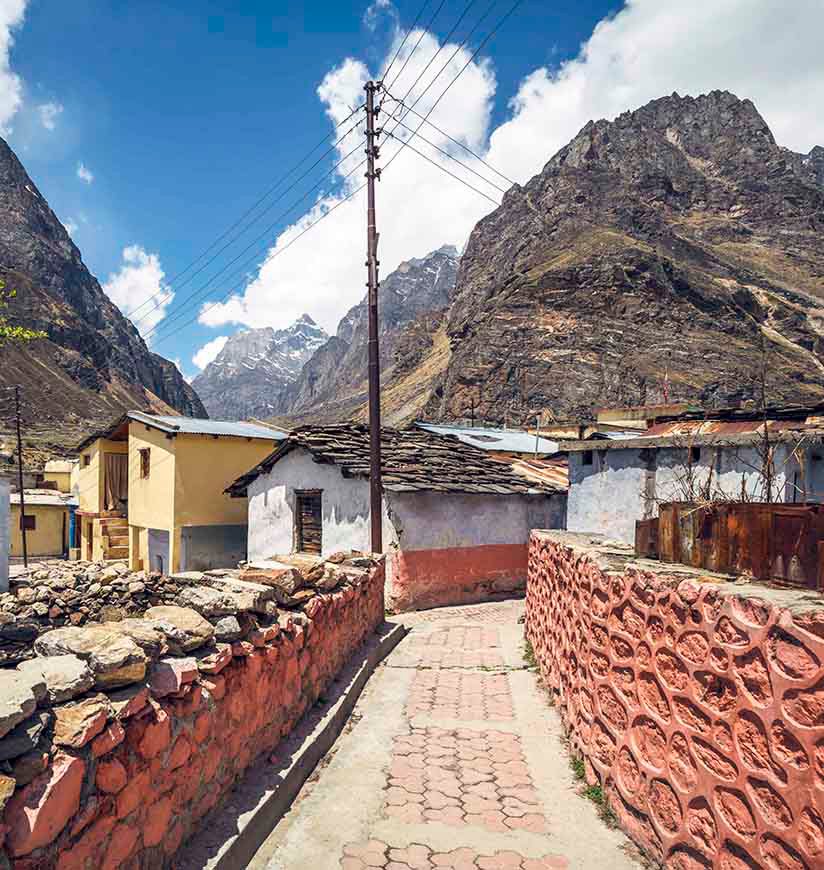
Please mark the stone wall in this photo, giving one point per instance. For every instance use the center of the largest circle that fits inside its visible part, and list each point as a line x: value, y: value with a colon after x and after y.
x: 119, y: 737
x: 697, y: 704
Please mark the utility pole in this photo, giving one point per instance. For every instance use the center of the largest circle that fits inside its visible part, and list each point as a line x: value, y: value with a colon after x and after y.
x: 20, y: 476
x: 472, y: 411
x: 375, y: 483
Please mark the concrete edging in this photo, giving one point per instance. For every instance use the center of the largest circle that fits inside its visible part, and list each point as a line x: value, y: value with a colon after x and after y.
x: 265, y: 794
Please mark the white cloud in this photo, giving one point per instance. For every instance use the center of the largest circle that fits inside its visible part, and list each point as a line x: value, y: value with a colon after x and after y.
x: 71, y: 226
x: 419, y: 208
x: 374, y: 11
x: 140, y: 279
x: 208, y: 353
x: 11, y: 86
x: 84, y: 173
x: 48, y: 113
x: 764, y: 50
x: 761, y: 49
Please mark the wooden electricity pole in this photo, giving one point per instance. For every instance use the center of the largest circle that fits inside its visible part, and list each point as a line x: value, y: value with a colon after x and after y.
x: 20, y: 477
x: 375, y: 483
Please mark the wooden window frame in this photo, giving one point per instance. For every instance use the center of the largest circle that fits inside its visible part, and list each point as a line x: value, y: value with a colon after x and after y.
x: 299, y: 539
x: 145, y: 454
x: 87, y: 460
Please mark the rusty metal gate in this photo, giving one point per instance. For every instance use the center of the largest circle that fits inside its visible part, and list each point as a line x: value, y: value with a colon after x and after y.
x: 780, y: 542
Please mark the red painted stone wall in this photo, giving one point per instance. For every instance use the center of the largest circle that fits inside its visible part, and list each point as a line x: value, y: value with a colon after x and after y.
x: 131, y: 795
x: 420, y: 579
x: 698, y: 706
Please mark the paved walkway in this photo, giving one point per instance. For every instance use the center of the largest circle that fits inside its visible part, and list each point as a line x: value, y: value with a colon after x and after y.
x: 452, y: 760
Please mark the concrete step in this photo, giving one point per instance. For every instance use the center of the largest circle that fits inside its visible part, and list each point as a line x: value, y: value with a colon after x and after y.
x: 114, y: 523
x: 118, y: 540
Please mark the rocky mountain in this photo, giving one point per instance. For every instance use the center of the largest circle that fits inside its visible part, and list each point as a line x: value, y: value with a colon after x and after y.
x: 413, y: 298
x: 250, y: 374
x: 93, y: 363
x: 676, y: 252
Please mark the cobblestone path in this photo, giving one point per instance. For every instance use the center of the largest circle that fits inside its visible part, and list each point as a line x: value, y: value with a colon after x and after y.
x: 453, y: 760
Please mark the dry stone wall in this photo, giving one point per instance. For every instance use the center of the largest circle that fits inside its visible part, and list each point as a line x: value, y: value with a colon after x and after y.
x: 697, y: 704
x: 117, y: 738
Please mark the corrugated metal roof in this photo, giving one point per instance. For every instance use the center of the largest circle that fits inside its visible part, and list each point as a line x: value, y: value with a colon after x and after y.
x: 500, y: 440
x: 196, y: 426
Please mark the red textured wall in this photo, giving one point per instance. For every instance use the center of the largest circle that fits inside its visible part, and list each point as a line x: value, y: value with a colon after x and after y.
x: 132, y: 795
x: 699, y: 708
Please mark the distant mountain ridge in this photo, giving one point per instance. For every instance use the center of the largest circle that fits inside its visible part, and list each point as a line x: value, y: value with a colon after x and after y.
x: 94, y: 363
x: 333, y: 382
x: 255, y: 367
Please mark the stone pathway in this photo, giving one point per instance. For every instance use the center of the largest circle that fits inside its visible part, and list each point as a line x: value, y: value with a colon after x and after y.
x: 452, y: 759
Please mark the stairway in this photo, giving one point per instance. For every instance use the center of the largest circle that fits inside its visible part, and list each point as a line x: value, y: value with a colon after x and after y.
x: 115, y: 532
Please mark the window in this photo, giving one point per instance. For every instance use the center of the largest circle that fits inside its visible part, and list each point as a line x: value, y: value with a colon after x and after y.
x: 308, y: 521
x: 145, y: 461
x: 28, y: 523
x: 587, y: 457
x: 87, y: 459
x: 695, y: 454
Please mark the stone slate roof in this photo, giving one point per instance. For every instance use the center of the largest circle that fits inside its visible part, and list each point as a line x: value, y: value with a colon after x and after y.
x: 413, y: 460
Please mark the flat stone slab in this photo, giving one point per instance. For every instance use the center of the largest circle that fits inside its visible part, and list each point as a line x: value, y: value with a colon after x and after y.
x: 184, y: 629
x: 113, y: 657
x: 18, y: 697
x: 66, y: 676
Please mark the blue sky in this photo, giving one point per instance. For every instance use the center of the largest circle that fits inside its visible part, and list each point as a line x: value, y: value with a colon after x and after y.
x: 182, y: 113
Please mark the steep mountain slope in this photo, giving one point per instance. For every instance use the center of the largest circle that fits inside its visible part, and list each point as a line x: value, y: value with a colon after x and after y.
x: 674, y: 252
x: 251, y: 372
x: 332, y: 384
x: 93, y: 363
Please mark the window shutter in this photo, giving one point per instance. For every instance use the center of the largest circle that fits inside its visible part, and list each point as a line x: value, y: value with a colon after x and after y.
x: 309, y: 521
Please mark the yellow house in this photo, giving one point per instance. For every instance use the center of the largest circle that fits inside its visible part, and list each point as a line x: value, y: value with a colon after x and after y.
x: 58, y: 472
x: 163, y: 504
x: 46, y: 520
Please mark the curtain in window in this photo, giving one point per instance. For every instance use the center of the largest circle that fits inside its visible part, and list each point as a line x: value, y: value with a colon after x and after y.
x: 115, y: 480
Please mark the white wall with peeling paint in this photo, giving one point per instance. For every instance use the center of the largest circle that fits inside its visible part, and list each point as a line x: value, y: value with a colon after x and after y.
x: 625, y: 485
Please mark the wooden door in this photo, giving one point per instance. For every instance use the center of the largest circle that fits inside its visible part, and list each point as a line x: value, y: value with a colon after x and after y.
x: 308, y: 521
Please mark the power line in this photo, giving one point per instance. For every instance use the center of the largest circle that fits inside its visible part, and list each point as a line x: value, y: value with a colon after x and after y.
x: 276, y: 254
x: 403, y: 42
x: 220, y: 238
x: 404, y: 144
x: 444, y: 169
x: 205, y: 287
x: 448, y: 61
x: 425, y: 30
x: 446, y: 154
x: 453, y: 139
x: 477, y: 51
x: 441, y: 47
x: 172, y: 290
